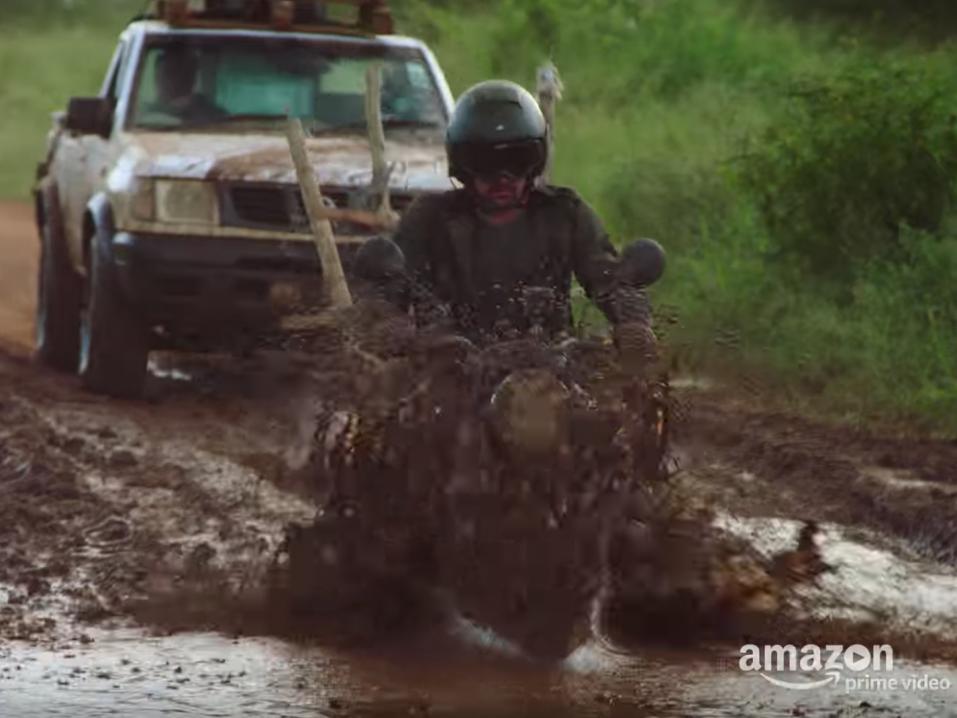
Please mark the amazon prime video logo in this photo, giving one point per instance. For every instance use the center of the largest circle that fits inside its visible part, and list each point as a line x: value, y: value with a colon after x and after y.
x: 856, y: 667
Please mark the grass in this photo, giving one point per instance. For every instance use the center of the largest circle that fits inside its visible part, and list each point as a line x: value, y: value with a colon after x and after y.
x: 41, y: 69
x: 664, y: 98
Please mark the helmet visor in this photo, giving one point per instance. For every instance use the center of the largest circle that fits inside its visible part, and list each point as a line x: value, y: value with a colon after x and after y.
x: 517, y: 159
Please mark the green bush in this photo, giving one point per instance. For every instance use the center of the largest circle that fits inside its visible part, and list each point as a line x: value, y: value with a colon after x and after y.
x: 852, y: 160
x: 891, y: 19
x: 615, y: 51
x: 907, y: 312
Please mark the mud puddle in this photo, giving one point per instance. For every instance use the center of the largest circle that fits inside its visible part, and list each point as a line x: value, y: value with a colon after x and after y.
x: 126, y: 673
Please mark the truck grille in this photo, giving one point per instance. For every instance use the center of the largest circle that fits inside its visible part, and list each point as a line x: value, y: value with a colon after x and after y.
x: 265, y: 205
x: 280, y: 207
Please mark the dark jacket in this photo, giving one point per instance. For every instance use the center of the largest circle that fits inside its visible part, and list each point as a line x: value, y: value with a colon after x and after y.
x: 440, y: 235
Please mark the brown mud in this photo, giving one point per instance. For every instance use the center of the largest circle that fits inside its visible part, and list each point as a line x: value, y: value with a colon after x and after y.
x: 904, y: 487
x: 128, y: 530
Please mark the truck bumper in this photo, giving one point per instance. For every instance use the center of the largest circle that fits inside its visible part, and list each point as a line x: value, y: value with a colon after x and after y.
x: 203, y: 292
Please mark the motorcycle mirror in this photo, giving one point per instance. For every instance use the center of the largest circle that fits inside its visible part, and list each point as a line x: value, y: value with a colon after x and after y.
x: 379, y: 258
x: 642, y: 263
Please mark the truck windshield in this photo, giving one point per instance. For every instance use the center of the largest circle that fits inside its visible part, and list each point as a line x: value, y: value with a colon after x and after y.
x: 204, y: 82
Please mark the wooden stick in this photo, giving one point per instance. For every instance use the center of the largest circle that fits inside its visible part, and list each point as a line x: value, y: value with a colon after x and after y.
x: 356, y: 216
x: 549, y: 90
x: 373, y: 109
x: 381, y: 169
x: 334, y: 279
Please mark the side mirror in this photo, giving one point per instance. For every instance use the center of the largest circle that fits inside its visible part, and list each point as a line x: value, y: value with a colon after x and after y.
x: 90, y: 116
x: 379, y: 259
x: 642, y: 263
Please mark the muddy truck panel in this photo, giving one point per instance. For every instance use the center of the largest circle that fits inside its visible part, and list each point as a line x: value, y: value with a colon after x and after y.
x: 176, y: 184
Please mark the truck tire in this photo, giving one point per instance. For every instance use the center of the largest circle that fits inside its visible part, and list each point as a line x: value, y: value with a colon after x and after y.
x: 59, y: 291
x: 114, y: 342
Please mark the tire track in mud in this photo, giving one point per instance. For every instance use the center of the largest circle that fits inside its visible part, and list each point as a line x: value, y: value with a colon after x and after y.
x: 112, y: 509
x: 43, y: 514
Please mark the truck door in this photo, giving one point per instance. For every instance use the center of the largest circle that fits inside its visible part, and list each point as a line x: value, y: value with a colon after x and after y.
x: 81, y: 162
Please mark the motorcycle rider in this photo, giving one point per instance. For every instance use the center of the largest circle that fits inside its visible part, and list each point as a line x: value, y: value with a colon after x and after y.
x: 493, y: 258
x: 500, y: 252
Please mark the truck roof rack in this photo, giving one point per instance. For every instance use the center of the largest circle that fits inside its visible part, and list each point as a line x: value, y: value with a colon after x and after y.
x: 351, y: 17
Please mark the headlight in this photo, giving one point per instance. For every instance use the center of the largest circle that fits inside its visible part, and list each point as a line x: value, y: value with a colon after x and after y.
x: 143, y: 200
x: 186, y: 201
x: 530, y: 411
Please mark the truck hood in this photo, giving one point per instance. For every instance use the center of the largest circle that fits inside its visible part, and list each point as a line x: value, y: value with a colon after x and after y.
x: 338, y: 160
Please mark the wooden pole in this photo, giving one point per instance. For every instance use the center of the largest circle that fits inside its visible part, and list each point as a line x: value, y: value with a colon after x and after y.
x: 549, y: 90
x: 334, y: 279
x: 373, y: 109
x: 381, y: 169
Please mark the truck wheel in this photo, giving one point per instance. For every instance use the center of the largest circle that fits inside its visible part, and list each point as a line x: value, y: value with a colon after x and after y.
x: 58, y: 303
x: 114, y: 343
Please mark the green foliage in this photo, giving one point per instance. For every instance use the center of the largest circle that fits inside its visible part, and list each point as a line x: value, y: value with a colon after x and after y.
x: 851, y: 160
x: 40, y: 73
x: 51, y: 50
x: 655, y: 47
x: 651, y: 131
x: 926, y: 19
x: 86, y: 13
x: 907, y: 320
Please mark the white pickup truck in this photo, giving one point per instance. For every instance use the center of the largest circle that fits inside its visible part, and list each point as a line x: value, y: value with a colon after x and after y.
x: 168, y: 206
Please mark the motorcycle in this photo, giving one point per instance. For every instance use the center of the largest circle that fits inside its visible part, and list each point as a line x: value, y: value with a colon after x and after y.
x: 500, y: 476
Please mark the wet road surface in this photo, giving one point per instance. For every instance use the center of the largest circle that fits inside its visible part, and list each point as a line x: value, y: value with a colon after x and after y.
x: 125, y: 673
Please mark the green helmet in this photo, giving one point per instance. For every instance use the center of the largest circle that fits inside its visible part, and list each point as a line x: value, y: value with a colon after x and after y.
x: 497, y: 127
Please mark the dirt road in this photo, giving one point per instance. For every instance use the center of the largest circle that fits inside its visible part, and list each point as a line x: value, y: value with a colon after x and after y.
x: 18, y: 267
x: 135, y: 539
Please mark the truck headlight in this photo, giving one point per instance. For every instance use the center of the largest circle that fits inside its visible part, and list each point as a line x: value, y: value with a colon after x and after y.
x: 187, y: 201
x: 143, y: 200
